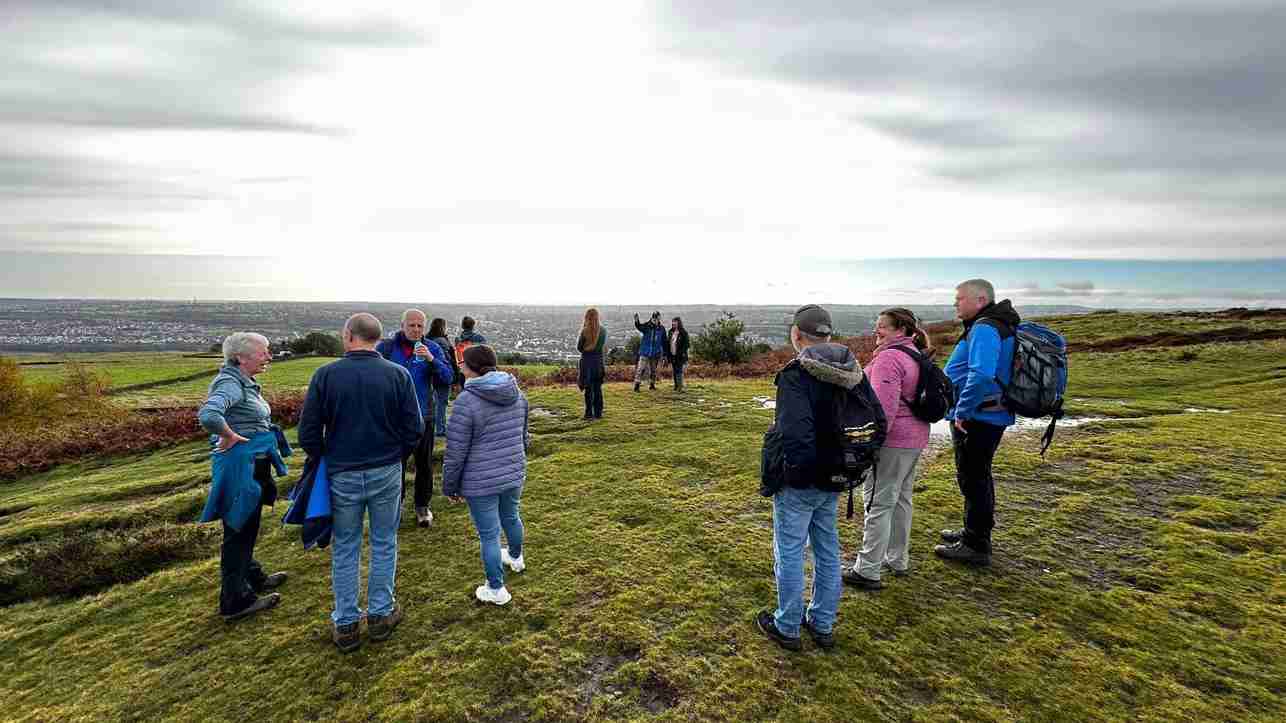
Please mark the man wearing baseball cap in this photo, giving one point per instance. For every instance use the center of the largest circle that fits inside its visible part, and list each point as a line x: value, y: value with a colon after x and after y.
x: 805, y: 498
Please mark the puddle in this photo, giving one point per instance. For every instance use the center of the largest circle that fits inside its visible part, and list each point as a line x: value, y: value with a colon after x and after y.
x: 765, y: 402
x: 1202, y: 410
x: 542, y: 412
x: 943, y: 429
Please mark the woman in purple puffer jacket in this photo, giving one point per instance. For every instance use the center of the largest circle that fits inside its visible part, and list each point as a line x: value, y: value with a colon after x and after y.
x: 894, y: 375
x: 486, y: 464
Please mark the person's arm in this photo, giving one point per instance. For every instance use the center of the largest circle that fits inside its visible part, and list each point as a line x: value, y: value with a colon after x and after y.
x: 642, y: 329
x: 226, y: 393
x: 526, y: 420
x: 984, y: 353
x: 312, y: 416
x: 459, y: 439
x: 409, y: 413
x: 442, y: 373
x: 798, y: 430
x: 886, y: 376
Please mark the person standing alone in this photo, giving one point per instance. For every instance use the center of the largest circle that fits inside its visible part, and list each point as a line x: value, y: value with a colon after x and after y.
x: 651, y: 348
x: 590, y: 343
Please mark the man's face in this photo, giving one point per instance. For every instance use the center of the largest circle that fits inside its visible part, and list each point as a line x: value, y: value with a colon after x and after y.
x: 413, y: 327
x: 794, y: 338
x: 968, y: 303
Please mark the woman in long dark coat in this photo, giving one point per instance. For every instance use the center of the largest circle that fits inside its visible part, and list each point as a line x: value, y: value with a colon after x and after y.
x: 590, y: 343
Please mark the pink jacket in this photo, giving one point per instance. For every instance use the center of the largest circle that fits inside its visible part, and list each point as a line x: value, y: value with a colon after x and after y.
x: 894, y: 376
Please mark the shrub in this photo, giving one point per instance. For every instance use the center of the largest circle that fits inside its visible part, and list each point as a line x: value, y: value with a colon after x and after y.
x: 317, y: 342
x: 719, y: 342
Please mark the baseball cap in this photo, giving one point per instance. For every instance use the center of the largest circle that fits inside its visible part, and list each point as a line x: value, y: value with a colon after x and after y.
x: 813, y: 320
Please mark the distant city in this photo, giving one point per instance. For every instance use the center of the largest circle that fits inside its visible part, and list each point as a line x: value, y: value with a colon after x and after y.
x: 548, y: 332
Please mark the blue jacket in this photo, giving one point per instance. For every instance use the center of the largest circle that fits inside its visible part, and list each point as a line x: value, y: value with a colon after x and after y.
x: 486, y: 438
x: 234, y: 492
x: 360, y: 413
x: 424, y: 375
x: 310, y: 505
x: 237, y: 400
x: 981, y: 363
x: 653, y: 342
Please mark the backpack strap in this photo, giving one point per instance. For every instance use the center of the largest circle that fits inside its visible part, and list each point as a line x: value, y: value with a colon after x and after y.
x: 917, y: 356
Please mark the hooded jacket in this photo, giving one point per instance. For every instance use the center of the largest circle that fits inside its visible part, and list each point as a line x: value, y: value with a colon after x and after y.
x: 425, y: 375
x: 894, y: 376
x: 982, y: 363
x: 806, y: 388
x: 486, y: 438
x: 653, y: 342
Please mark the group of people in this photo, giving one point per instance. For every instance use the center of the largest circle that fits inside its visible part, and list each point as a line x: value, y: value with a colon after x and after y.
x: 366, y: 415
x: 384, y: 402
x: 805, y: 508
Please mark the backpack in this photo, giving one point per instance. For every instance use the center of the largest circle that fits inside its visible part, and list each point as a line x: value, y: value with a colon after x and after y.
x: 934, y: 393
x: 860, y: 427
x: 1038, y: 378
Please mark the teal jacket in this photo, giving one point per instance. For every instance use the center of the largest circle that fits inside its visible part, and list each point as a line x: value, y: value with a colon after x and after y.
x: 234, y: 493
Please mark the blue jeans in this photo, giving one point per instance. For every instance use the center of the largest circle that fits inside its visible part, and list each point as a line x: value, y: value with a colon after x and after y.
x: 799, y: 514
x: 490, y: 513
x: 352, y: 494
x: 440, y: 395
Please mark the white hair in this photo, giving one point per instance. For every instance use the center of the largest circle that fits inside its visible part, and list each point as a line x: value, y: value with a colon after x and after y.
x: 408, y: 312
x: 979, y: 287
x: 241, y: 342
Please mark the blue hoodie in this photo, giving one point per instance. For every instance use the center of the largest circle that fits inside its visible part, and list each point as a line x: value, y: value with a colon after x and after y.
x: 425, y: 375
x: 981, y: 363
x: 486, y: 438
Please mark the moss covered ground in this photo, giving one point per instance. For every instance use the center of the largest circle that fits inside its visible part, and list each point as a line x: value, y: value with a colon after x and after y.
x: 1139, y: 574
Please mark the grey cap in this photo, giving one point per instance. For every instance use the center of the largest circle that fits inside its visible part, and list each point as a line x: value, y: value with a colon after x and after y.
x: 813, y: 320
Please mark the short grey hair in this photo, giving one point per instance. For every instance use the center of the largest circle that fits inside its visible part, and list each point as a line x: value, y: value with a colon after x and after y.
x: 981, y: 287
x: 408, y: 312
x: 241, y: 342
x: 365, y: 327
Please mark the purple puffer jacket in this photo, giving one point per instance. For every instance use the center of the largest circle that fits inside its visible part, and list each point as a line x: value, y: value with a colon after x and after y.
x: 486, y: 438
x: 894, y: 376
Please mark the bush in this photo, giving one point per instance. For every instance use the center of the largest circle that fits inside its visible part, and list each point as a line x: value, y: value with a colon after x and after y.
x: 719, y: 342
x: 316, y: 342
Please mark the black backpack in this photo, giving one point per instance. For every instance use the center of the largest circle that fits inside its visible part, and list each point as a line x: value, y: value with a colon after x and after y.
x: 934, y: 393
x: 860, y: 427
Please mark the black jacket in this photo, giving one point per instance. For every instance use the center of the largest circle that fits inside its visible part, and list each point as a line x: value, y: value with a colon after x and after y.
x: 361, y: 412
x: 806, y: 389
x: 680, y: 357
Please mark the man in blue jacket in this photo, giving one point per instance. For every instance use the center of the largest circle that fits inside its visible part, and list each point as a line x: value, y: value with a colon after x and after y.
x: 979, y: 367
x: 427, y: 364
x: 651, y: 347
x: 362, y: 416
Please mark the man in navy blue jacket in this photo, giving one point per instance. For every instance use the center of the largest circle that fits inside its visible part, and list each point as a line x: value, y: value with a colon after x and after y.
x: 361, y: 414
x: 427, y: 364
x: 980, y: 365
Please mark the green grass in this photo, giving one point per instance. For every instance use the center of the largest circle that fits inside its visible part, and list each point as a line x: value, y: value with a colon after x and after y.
x: 1140, y: 573
x: 122, y: 369
x: 1101, y: 326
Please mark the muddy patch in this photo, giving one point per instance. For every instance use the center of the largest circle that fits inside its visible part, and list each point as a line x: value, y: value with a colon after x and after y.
x: 600, y: 669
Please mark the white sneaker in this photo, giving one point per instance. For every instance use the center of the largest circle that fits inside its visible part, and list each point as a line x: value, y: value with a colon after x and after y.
x: 516, y: 565
x: 495, y: 597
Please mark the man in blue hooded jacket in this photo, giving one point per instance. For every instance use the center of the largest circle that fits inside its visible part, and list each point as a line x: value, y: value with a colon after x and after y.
x: 651, y: 347
x: 427, y: 364
x: 979, y: 367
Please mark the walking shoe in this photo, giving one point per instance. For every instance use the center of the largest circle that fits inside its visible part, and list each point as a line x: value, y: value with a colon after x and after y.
x: 652, y: 387
x: 825, y: 641
x: 515, y: 564
x: 498, y: 596
x: 896, y: 572
x: 273, y: 581
x: 263, y: 603
x: 636, y: 386
x: 587, y: 416
x: 423, y: 516
x: 764, y: 621
x: 952, y: 536
x: 861, y: 582
x: 961, y: 552
x: 347, y: 637
x: 381, y: 627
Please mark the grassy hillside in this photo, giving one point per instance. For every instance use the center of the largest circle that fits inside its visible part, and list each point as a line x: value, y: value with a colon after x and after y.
x: 1140, y: 573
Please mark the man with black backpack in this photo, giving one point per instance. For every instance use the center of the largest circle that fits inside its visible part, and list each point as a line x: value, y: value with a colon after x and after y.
x: 979, y: 368
x: 826, y: 429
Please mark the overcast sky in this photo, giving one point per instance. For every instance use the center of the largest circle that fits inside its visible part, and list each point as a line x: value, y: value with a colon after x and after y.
x: 539, y: 148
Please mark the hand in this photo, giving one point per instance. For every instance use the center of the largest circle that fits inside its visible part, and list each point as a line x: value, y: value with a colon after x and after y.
x: 960, y: 426
x: 422, y: 351
x: 228, y: 440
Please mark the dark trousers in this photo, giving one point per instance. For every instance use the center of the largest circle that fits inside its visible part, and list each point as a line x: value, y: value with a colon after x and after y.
x: 594, y: 400
x: 423, y: 454
x: 678, y: 374
x: 242, y: 576
x: 974, y: 453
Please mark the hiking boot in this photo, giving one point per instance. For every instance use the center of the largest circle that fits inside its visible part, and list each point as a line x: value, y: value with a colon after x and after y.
x: 764, y: 621
x: 262, y: 603
x: 587, y: 416
x: 952, y: 536
x: 961, y: 552
x: 652, y: 387
x: 894, y: 571
x: 499, y: 596
x: 273, y: 581
x: 423, y: 516
x: 861, y: 582
x: 636, y: 386
x: 347, y: 637
x: 380, y: 627
x: 515, y: 564
x: 825, y: 641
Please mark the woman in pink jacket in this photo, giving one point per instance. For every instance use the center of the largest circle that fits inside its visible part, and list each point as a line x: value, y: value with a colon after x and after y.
x: 893, y: 374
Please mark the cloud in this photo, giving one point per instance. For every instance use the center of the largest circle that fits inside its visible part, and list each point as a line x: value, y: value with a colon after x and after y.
x: 1076, y: 285
x: 1173, y: 106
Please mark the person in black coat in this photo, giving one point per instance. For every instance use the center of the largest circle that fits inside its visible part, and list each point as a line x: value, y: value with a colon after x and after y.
x: 590, y: 343
x: 676, y: 350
